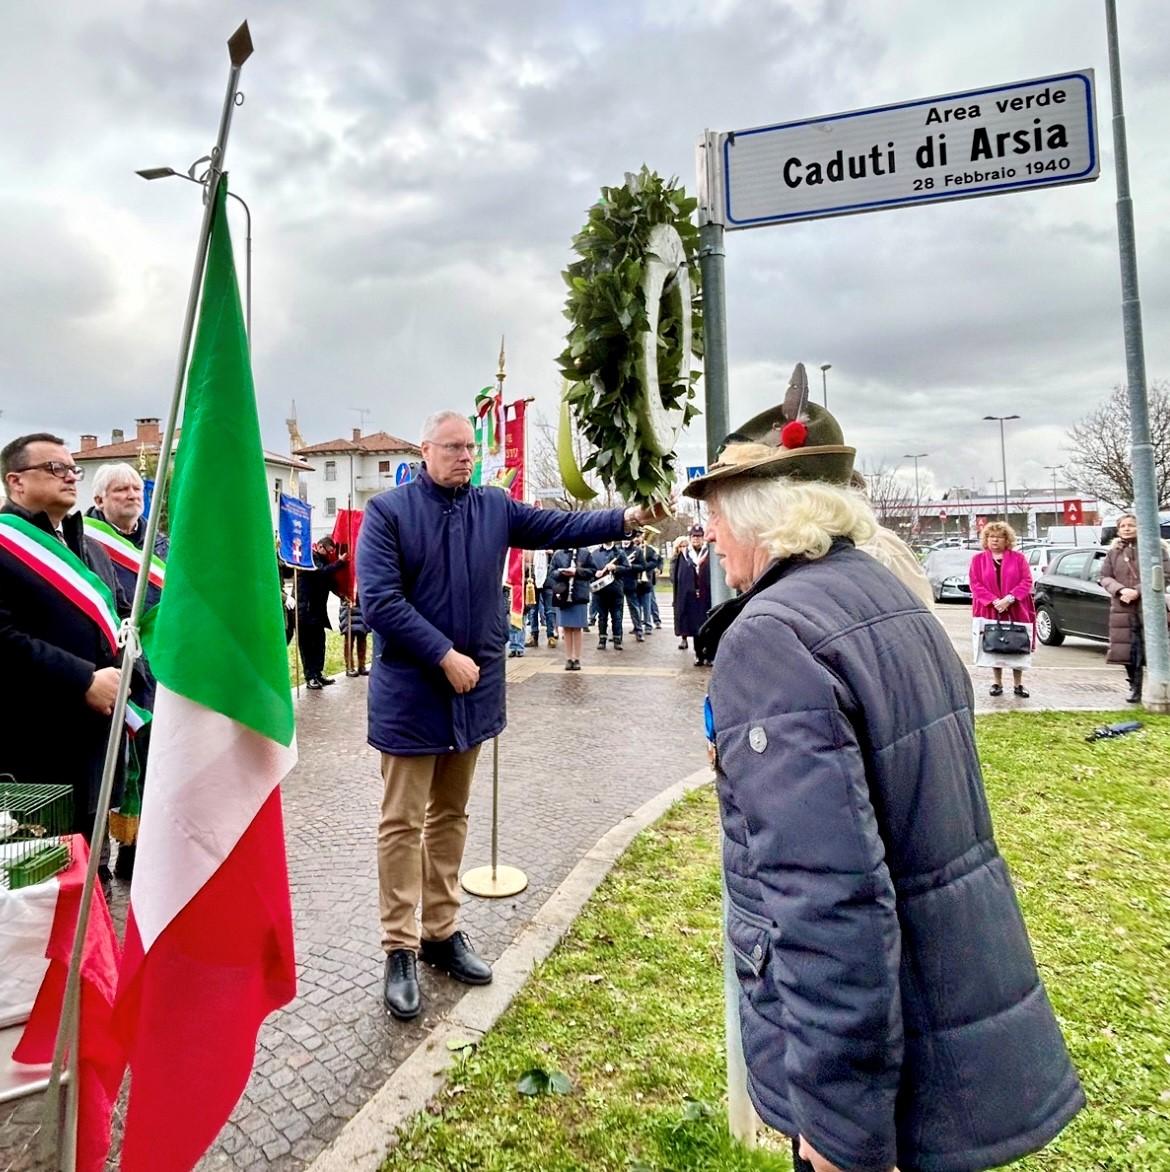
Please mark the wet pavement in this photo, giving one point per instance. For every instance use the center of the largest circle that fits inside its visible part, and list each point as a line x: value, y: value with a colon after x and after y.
x: 581, y: 752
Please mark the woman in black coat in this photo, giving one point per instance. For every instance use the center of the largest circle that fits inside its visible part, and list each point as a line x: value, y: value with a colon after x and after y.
x: 690, y: 575
x: 891, y: 1011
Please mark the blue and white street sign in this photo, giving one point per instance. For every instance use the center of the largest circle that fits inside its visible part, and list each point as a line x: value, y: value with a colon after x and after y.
x: 402, y: 475
x: 695, y: 472
x: 1037, y: 133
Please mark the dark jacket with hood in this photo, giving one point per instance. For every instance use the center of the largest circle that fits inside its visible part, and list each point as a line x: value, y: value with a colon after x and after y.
x: 890, y: 1003
x: 49, y: 652
x: 430, y: 563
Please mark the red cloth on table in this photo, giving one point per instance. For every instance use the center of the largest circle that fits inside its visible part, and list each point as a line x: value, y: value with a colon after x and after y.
x: 100, y: 1067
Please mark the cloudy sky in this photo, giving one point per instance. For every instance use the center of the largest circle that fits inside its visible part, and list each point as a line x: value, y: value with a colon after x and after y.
x: 416, y: 171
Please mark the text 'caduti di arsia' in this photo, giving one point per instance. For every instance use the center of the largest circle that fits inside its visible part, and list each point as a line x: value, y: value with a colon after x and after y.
x: 1041, y: 133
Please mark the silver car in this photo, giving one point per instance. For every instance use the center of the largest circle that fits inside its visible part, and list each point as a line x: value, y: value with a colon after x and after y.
x: 947, y: 570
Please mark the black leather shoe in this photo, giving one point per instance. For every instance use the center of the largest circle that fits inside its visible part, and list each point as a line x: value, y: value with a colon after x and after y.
x: 325, y: 681
x: 457, y: 959
x: 1134, y: 697
x: 400, y: 993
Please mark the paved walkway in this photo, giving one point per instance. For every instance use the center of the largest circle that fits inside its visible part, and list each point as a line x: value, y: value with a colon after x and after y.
x: 581, y: 753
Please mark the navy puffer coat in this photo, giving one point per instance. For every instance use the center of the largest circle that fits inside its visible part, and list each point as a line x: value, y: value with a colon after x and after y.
x: 890, y: 1004
x: 430, y: 564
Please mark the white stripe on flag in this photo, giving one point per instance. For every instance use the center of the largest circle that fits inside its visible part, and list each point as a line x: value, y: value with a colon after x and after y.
x: 206, y: 778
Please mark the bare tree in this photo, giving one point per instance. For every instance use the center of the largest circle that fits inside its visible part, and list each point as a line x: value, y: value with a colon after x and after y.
x: 891, y: 501
x: 1101, y: 461
x: 544, y: 469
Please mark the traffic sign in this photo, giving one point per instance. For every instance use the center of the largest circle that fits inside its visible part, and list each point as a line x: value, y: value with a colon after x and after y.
x: 402, y: 474
x: 695, y: 472
x: 942, y: 514
x: 1037, y: 133
x: 1073, y: 513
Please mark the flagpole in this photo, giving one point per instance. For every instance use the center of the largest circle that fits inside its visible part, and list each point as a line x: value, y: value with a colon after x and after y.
x: 239, y: 50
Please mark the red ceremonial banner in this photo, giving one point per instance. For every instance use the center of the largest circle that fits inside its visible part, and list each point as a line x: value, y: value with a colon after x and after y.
x: 345, y: 533
x: 515, y: 436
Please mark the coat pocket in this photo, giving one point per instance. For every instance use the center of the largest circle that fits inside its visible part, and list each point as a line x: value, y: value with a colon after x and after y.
x: 750, y: 938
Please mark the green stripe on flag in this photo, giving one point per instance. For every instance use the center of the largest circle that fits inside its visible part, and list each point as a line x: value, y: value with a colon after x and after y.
x: 218, y: 635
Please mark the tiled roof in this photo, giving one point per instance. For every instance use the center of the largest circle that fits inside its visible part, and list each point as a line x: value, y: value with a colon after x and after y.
x: 378, y: 441
x: 130, y: 449
x: 123, y: 451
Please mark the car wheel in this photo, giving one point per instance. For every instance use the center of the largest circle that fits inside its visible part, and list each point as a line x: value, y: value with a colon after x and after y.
x: 1046, y: 629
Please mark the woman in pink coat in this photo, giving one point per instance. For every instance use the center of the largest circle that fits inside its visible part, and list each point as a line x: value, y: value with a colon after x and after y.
x: 1001, y: 588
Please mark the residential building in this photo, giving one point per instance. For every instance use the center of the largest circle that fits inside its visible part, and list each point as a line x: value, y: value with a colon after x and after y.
x: 147, y: 442
x: 351, y: 471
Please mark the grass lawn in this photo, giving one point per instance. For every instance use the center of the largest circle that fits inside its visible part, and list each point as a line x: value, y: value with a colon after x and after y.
x: 334, y: 657
x: 629, y: 1008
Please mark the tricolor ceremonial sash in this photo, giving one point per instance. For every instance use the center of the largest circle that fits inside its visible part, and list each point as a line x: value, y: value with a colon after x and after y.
x: 59, y: 567
x: 124, y: 552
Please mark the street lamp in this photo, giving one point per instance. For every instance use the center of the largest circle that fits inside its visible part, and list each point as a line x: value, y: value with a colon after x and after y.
x: 167, y: 173
x: 1054, y: 469
x: 917, y: 497
x: 1002, y: 456
x: 825, y: 382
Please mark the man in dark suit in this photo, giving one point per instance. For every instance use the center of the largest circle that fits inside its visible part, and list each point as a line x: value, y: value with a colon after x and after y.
x: 59, y: 668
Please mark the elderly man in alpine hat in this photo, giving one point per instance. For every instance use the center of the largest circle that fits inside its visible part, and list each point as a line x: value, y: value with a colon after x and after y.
x: 891, y: 1010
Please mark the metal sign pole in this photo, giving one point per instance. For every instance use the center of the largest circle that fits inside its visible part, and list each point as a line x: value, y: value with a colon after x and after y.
x: 741, y: 1115
x: 1145, y: 494
x: 239, y: 50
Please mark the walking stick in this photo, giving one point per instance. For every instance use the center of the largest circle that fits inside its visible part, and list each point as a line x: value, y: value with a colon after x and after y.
x: 494, y: 882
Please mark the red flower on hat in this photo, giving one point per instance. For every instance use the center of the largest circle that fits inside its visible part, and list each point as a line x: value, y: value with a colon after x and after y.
x: 794, y: 434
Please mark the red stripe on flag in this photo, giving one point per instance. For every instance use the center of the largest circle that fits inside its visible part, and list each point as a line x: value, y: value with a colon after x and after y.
x: 188, y: 1011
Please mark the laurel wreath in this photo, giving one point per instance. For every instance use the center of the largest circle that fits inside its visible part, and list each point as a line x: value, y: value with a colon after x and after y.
x: 630, y: 391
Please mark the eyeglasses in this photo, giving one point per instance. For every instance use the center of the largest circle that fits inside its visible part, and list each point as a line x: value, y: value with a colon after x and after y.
x: 55, y: 468
x: 454, y: 449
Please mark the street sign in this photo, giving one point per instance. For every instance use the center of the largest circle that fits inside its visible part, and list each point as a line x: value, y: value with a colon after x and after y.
x: 1073, y: 513
x: 695, y: 472
x: 1037, y: 133
x: 402, y: 474
x: 979, y: 523
x: 942, y: 514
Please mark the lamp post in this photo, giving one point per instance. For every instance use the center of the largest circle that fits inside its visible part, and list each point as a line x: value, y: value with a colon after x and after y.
x: 167, y: 173
x: 1054, y: 469
x: 825, y: 366
x: 917, y: 498
x: 1002, y: 456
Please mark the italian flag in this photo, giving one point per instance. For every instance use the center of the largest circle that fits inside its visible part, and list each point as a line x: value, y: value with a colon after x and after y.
x: 209, y: 942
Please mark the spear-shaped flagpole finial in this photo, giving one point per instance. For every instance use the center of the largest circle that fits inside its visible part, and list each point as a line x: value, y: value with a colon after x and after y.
x: 500, y: 375
x: 240, y: 45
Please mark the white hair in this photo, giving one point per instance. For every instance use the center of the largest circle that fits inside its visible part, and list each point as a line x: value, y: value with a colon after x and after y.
x: 114, y: 476
x: 787, y: 517
x: 432, y: 423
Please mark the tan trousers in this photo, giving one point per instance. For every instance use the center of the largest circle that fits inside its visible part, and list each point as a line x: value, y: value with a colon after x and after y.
x: 421, y: 837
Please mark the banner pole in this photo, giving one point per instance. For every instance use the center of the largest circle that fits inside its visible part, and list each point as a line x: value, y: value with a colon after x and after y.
x: 297, y: 629
x: 239, y: 50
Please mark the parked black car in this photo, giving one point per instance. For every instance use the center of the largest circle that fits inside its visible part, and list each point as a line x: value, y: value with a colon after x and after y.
x: 1070, y: 600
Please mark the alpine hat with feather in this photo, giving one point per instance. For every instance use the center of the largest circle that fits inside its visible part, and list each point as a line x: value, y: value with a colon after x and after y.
x: 796, y: 438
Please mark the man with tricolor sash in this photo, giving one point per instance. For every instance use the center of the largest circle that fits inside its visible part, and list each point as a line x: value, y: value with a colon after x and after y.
x: 60, y: 610
x: 117, y: 523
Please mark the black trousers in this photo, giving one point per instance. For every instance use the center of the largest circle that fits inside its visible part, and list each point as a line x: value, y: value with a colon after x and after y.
x: 799, y: 1165
x: 609, y: 607
x: 312, y: 644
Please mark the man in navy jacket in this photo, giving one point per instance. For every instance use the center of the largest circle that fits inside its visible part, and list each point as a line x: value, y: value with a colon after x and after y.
x: 431, y: 560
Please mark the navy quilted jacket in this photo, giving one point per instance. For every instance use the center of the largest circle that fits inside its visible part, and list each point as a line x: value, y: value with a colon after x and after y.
x: 890, y: 1004
x: 430, y: 562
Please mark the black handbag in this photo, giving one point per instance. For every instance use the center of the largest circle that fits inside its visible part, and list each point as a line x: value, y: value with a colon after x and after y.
x: 1000, y: 638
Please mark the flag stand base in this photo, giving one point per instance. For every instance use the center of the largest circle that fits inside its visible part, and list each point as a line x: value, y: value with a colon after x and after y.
x: 494, y: 882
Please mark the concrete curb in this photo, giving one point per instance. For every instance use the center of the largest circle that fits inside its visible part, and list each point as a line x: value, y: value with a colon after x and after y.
x: 362, y: 1143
